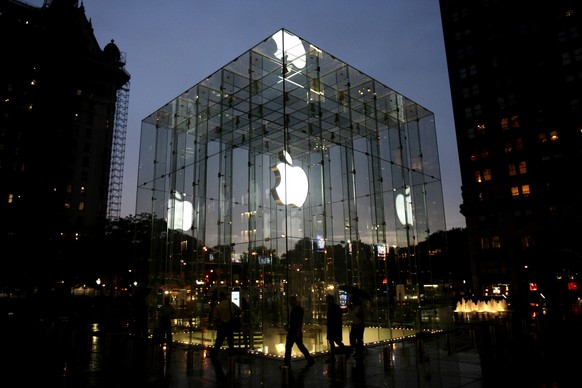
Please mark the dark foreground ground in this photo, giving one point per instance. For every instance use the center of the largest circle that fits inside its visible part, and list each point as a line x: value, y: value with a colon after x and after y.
x: 72, y: 351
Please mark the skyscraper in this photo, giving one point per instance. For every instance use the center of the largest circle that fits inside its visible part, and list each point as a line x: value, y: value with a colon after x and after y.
x: 61, y: 125
x: 515, y: 72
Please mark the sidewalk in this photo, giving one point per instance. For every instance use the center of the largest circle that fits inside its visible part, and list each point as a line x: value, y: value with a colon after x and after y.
x: 120, y: 361
x: 473, y: 356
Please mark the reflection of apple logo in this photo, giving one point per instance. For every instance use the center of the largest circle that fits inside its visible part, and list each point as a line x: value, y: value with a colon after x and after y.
x: 294, y: 49
x: 290, y: 182
x: 179, y: 213
x: 404, y: 207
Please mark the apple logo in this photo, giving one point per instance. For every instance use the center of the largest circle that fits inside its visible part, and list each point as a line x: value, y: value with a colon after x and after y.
x: 295, y: 51
x: 179, y: 213
x: 291, y: 183
x: 404, y: 207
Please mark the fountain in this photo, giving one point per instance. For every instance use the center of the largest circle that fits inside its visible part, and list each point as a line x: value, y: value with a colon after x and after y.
x: 491, y: 306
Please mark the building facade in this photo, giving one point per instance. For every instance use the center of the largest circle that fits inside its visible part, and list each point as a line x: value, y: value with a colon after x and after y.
x: 289, y: 172
x: 516, y: 82
x: 61, y: 126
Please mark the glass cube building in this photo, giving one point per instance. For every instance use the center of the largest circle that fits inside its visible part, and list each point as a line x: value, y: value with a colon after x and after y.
x: 289, y: 172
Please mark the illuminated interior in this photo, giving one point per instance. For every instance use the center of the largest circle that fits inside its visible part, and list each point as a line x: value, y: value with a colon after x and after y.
x: 298, y: 174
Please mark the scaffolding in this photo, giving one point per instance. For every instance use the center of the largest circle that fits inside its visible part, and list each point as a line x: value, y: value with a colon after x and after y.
x: 118, y: 153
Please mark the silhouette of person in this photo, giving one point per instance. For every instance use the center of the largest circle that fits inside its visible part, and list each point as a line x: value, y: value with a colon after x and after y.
x: 140, y: 314
x: 357, y: 315
x: 334, y: 327
x: 295, y: 333
x: 165, y: 321
x: 222, y: 314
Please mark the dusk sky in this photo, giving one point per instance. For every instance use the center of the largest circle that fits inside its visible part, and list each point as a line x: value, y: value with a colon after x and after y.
x: 172, y: 45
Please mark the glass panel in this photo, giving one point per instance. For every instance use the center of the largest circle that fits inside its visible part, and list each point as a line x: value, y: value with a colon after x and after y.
x: 288, y: 172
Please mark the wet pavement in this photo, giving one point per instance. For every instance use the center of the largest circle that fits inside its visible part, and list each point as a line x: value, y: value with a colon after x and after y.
x: 473, y: 355
x: 121, y: 361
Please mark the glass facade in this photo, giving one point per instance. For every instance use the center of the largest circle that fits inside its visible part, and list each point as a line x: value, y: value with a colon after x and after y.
x: 289, y: 172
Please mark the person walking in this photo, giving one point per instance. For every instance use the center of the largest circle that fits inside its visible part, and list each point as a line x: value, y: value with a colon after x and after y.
x: 295, y: 333
x: 334, y: 328
x: 222, y: 314
x: 357, y: 315
x: 165, y: 321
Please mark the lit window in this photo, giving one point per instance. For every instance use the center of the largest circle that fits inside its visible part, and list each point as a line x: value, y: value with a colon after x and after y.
x: 478, y: 176
x: 505, y: 123
x: 495, y: 242
x: 81, y: 206
x: 10, y: 198
x: 554, y: 136
x: 515, y: 121
x: 522, y: 167
x: 475, y: 89
x: 473, y: 157
x: 525, y: 190
x: 526, y: 242
x: 512, y: 169
x: 515, y: 192
x: 67, y: 204
x: 82, y: 190
x: 519, y: 143
x: 69, y: 188
x: 485, y: 243
x: 542, y: 138
x: 508, y: 147
x: 487, y: 174
x: 481, y: 128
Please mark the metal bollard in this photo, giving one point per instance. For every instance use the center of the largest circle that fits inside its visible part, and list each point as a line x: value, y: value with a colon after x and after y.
x: 284, y: 376
x: 386, y: 357
x: 107, y: 343
x: 509, y: 330
x: 130, y: 352
x: 492, y: 333
x: 420, y: 350
x: 157, y: 356
x: 189, y: 361
x: 342, y: 366
x: 231, y: 367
